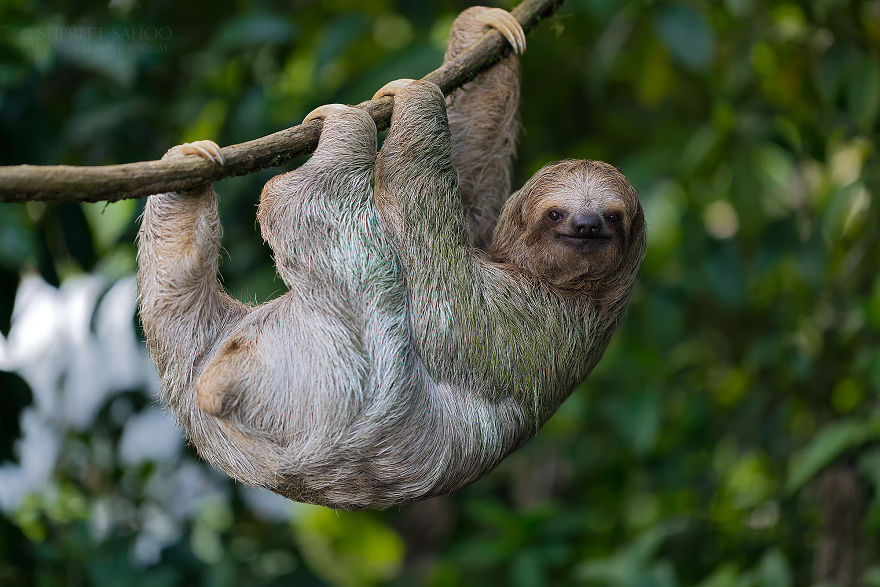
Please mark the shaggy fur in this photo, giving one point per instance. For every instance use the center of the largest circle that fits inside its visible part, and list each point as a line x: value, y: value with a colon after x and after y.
x: 484, y: 122
x: 401, y: 363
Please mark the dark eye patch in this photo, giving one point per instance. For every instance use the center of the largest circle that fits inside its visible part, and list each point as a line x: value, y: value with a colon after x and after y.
x: 613, y: 218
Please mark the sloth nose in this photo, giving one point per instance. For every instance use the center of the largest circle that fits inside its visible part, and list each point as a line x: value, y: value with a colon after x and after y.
x: 588, y: 225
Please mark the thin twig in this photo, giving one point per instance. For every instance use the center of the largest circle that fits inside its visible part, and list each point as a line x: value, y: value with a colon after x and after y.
x: 19, y: 183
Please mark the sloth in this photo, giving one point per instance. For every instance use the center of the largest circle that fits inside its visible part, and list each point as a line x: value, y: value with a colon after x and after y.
x: 431, y: 323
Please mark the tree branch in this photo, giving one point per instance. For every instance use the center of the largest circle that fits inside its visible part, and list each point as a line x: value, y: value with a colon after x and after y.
x: 19, y: 183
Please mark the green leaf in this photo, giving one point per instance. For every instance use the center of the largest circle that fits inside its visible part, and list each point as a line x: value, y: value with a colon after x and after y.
x: 832, y: 441
x: 18, y: 247
x: 107, y: 221
x: 106, y: 55
x: 863, y: 94
x: 254, y: 29
x: 347, y: 548
x: 630, y: 563
x: 687, y: 35
x: 725, y: 275
x: 869, y: 467
x: 774, y: 571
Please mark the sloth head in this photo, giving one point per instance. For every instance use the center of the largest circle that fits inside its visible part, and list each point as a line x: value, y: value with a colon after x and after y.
x: 576, y: 225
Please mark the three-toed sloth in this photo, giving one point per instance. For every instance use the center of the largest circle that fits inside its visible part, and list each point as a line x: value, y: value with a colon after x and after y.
x: 403, y: 362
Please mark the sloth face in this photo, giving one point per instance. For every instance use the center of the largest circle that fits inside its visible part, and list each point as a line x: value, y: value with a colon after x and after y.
x: 578, y: 222
x: 580, y: 234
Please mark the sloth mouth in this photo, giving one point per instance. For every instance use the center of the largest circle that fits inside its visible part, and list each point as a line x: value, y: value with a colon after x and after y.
x: 584, y: 241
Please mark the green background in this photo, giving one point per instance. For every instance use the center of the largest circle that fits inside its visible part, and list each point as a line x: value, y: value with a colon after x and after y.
x: 704, y: 448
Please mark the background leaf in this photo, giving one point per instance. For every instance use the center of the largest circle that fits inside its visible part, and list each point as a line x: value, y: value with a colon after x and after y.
x: 828, y: 444
x: 687, y: 35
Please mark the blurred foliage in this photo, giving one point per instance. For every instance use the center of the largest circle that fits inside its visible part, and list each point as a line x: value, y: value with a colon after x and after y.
x: 749, y: 362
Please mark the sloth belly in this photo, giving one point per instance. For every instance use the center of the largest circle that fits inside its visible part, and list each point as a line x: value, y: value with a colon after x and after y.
x: 324, y: 386
x: 312, y: 363
x: 341, y: 393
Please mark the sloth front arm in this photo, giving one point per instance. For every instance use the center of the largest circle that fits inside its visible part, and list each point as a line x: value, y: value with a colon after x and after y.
x: 184, y: 309
x: 476, y: 326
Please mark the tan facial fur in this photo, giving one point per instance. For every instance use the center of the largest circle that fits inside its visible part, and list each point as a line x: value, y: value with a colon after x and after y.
x: 575, y: 224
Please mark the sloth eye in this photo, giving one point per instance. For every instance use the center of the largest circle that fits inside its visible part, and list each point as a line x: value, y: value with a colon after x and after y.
x: 554, y: 216
x: 612, y: 218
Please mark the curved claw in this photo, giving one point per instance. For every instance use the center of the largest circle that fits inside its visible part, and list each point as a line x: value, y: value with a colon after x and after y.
x: 505, y: 23
x: 204, y: 149
x: 391, y: 88
x: 324, y: 111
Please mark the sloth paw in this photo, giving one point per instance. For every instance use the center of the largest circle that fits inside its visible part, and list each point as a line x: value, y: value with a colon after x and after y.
x: 204, y: 149
x: 217, y: 386
x: 214, y: 389
x: 506, y: 24
x: 210, y: 400
x: 391, y: 88
x: 324, y: 111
